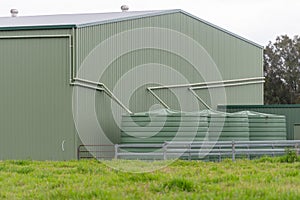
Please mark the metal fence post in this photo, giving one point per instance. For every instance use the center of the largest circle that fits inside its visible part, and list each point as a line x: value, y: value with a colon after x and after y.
x: 297, y: 149
x: 220, y: 156
x: 190, y: 148
x: 78, y: 152
x: 248, y: 152
x: 165, y: 151
x: 233, y: 150
x: 116, y: 151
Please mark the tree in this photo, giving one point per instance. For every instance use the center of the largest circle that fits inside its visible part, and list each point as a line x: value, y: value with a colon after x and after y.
x: 282, y: 71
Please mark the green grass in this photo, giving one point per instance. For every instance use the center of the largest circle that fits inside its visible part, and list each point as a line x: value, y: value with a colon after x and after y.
x: 265, y: 178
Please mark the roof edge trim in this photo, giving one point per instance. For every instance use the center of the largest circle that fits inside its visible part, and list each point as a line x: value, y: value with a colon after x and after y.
x: 158, y: 13
x: 37, y: 27
x: 221, y: 29
x: 163, y: 12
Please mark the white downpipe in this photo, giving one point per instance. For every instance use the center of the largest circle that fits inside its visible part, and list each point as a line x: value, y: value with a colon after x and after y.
x: 104, y: 88
x: 87, y: 86
x: 70, y: 59
x: 159, y: 99
x: 71, y: 68
x: 201, y: 100
x: 192, y: 86
x: 226, y: 85
x: 207, y: 83
x: 217, y: 86
x: 88, y: 81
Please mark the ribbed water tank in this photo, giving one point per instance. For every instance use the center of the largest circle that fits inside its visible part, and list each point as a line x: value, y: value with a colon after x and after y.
x: 227, y: 126
x: 159, y: 126
x: 264, y: 126
x: 163, y: 125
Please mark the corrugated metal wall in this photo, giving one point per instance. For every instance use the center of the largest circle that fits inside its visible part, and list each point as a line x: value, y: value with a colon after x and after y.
x: 235, y: 59
x: 36, y: 110
x: 292, y: 113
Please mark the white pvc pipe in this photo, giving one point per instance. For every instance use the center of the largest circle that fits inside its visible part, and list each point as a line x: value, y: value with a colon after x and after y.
x: 106, y: 90
x: 87, y: 86
x: 206, y: 83
x: 159, y: 99
x: 226, y: 85
x: 88, y: 81
x: 70, y: 59
x: 201, y: 100
x: 71, y: 69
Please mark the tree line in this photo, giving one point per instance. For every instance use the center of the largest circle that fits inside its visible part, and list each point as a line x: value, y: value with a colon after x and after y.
x: 282, y: 71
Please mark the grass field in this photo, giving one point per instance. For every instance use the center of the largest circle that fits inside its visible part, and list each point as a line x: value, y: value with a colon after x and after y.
x: 257, y: 179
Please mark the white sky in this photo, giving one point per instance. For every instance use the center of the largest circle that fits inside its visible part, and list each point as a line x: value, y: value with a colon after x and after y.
x: 257, y: 20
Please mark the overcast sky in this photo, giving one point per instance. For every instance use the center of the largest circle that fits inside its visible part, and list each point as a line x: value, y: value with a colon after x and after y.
x: 257, y: 20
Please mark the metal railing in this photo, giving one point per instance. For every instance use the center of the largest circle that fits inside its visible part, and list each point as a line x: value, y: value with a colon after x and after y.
x: 198, y: 150
x: 104, y: 151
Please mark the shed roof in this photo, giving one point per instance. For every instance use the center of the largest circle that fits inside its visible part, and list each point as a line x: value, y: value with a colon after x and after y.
x: 71, y: 20
x: 89, y: 19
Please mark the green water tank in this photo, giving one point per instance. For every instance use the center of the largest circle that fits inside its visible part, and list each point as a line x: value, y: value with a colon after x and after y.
x: 264, y: 126
x: 159, y: 126
x: 227, y: 126
x: 163, y: 125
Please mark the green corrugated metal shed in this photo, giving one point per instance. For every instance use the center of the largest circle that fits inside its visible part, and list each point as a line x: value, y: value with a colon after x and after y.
x: 291, y: 112
x: 40, y: 55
